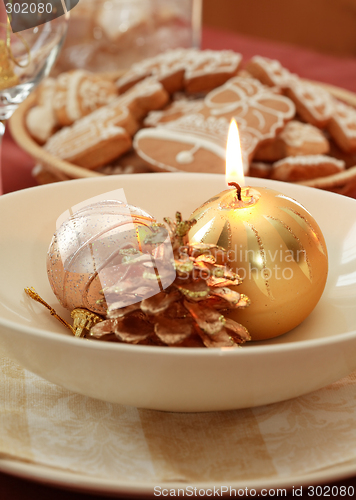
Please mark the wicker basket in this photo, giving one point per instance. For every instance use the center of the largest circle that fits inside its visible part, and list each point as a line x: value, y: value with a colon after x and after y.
x: 56, y: 169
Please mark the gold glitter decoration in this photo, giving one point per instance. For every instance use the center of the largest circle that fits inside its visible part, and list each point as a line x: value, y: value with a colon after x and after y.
x: 83, y: 320
x: 225, y: 236
x: 294, y: 246
x: 31, y: 292
x: 257, y: 260
x: 307, y: 227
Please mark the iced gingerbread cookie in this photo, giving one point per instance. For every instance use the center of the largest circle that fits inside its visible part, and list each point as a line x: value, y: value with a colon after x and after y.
x: 191, y: 70
x: 79, y: 93
x: 144, y: 97
x: 129, y: 163
x: 174, y: 111
x: 269, y: 72
x: 41, y: 121
x: 313, y: 103
x: 300, y: 168
x: 105, y: 134
x: 296, y: 138
x: 342, y: 126
x: 343, y: 182
x: 197, y: 141
x: 337, y: 152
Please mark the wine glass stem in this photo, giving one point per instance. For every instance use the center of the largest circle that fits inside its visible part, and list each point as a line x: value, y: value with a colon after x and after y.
x: 2, y: 132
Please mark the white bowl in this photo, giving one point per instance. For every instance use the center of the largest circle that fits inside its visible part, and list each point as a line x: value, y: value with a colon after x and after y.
x: 319, y: 351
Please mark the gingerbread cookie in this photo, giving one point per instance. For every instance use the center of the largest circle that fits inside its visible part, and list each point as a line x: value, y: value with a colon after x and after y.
x: 197, y: 141
x: 44, y: 176
x: 191, y: 70
x: 129, y: 163
x: 260, y: 169
x: 342, y: 183
x: 254, y: 106
x: 313, y: 103
x: 41, y: 121
x: 269, y: 72
x: 342, y: 126
x: 79, y: 93
x: 144, y: 97
x: 296, y: 138
x: 105, y: 134
x: 191, y: 143
x: 336, y: 152
x: 300, y: 168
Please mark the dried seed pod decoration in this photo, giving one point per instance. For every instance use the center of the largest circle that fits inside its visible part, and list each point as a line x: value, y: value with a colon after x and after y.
x: 189, y: 312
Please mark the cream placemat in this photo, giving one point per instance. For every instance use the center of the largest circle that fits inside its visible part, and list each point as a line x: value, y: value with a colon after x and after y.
x: 45, y: 424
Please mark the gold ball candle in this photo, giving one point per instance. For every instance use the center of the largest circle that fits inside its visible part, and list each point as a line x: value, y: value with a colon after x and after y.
x: 274, y: 244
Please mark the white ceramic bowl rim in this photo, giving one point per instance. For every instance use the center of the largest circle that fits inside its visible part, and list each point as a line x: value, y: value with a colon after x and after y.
x: 179, y: 351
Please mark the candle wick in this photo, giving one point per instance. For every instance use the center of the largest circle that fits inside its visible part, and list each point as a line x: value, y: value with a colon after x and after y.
x: 238, y: 189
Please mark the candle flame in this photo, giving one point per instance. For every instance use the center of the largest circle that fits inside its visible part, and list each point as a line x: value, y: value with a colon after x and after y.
x: 234, y: 163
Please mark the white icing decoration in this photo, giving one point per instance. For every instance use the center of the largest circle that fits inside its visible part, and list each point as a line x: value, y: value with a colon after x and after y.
x: 209, y: 134
x: 100, y: 125
x: 249, y: 92
x: 207, y: 129
x: 211, y: 128
x: 194, y: 62
x: 173, y: 135
x: 345, y: 117
x: 94, y: 94
x: 260, y: 117
x: 259, y: 165
x: 310, y: 160
x: 295, y: 134
x: 317, y: 100
x: 88, y: 131
x: 67, y: 93
x: 186, y: 157
x: 200, y: 63
x: 40, y: 121
x: 279, y: 75
x: 78, y: 92
x: 177, y: 107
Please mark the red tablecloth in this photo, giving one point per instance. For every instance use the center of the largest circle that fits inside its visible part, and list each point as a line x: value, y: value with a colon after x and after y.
x: 17, y: 165
x: 306, y: 63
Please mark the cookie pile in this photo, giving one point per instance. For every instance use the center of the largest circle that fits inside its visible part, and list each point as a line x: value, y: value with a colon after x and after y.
x: 172, y: 112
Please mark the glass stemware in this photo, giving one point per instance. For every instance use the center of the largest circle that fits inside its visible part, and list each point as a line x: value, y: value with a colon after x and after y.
x: 26, y: 58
